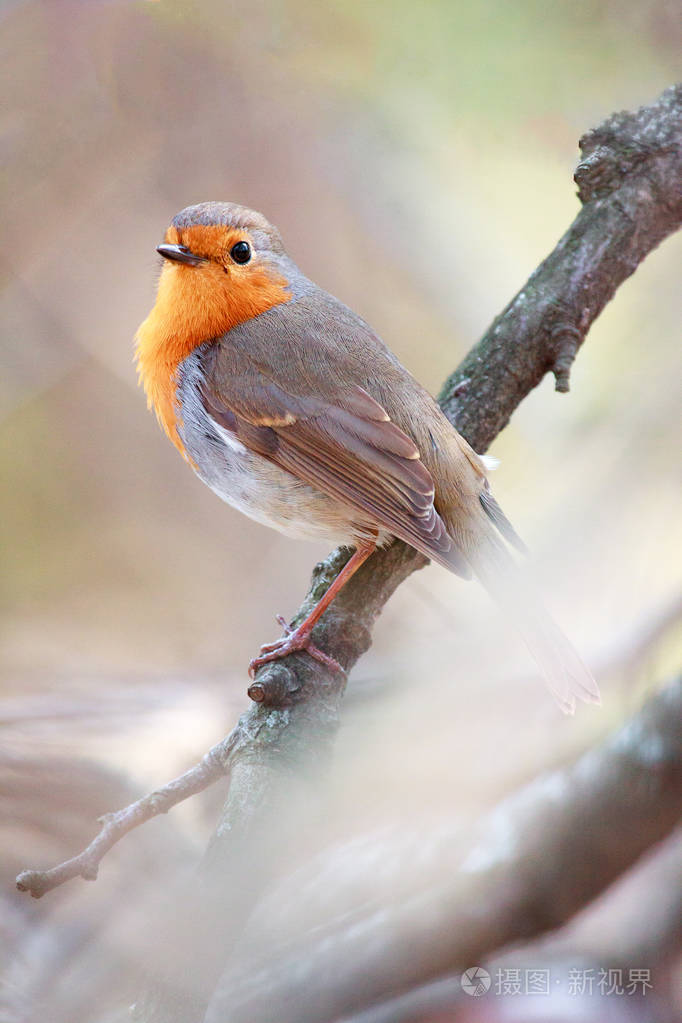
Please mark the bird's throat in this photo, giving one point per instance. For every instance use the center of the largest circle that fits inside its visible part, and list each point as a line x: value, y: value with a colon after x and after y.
x: 194, y: 305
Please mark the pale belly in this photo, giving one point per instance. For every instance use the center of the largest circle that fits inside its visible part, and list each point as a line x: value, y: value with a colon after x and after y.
x: 257, y: 487
x: 275, y: 498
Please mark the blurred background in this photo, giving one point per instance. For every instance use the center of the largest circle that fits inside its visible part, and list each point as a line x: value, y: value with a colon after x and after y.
x: 418, y: 161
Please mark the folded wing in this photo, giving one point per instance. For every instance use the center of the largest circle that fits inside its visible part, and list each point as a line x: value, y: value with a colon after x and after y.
x: 345, y: 445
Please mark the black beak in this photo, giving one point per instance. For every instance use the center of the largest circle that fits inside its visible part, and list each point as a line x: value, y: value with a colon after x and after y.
x: 179, y: 254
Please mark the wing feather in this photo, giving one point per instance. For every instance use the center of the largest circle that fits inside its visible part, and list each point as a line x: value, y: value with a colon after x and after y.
x: 345, y: 445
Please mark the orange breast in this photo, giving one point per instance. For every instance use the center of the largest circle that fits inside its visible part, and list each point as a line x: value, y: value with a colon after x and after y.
x: 193, y: 305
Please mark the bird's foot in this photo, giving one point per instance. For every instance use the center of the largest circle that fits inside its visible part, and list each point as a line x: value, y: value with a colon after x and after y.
x: 292, y: 640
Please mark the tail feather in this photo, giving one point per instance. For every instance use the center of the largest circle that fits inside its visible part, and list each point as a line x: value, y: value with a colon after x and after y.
x: 564, y: 672
x: 500, y: 521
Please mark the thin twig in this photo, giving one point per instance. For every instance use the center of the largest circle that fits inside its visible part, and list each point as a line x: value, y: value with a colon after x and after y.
x: 213, y: 765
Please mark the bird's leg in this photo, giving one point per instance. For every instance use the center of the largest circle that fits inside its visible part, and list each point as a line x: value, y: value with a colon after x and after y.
x: 300, y: 638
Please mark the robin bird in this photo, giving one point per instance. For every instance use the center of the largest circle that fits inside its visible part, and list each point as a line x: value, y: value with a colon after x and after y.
x: 291, y: 409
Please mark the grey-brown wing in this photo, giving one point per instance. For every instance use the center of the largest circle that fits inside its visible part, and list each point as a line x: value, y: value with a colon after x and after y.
x: 345, y: 445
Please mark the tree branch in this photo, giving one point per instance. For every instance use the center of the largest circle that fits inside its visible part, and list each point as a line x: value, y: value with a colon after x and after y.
x: 212, y: 766
x: 614, y: 933
x: 319, y: 951
x: 630, y: 181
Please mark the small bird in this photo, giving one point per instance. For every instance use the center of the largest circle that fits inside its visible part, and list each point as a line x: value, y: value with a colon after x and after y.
x: 291, y: 409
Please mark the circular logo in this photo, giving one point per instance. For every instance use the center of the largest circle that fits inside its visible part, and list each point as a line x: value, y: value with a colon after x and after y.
x: 475, y: 981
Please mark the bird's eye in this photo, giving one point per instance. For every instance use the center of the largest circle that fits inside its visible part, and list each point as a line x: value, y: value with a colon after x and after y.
x: 241, y: 252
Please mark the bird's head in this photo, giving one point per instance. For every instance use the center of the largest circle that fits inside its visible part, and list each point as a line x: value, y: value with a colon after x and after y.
x: 223, y: 264
x: 221, y: 233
